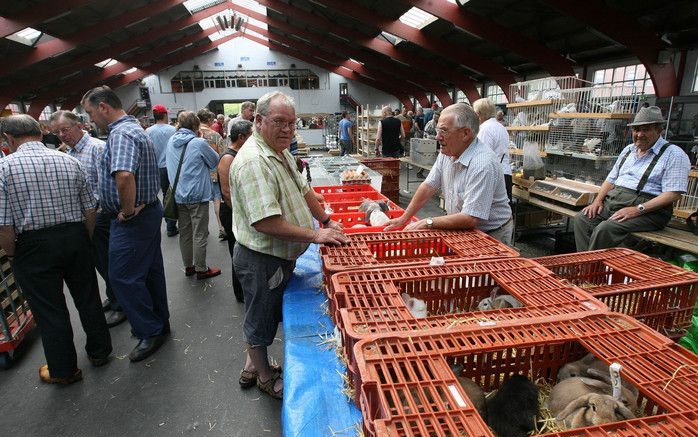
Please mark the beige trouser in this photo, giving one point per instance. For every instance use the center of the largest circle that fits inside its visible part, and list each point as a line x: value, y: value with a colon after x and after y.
x: 504, y: 233
x: 193, y: 234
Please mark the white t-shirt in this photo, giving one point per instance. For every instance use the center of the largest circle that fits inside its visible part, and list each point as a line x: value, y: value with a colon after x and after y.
x: 496, y: 137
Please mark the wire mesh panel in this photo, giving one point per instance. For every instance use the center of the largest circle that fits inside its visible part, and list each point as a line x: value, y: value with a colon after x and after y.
x: 688, y: 203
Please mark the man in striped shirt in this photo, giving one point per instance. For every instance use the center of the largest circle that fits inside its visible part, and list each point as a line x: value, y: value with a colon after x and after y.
x: 47, y: 206
x: 469, y: 175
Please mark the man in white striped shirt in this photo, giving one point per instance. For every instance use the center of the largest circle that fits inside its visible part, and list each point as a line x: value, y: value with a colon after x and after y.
x: 470, y: 177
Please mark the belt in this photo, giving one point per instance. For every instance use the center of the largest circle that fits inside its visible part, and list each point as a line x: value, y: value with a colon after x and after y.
x: 503, y: 224
x: 113, y: 215
x: 49, y: 229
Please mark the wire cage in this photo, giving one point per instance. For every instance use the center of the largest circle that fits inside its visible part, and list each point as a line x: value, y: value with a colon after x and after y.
x: 688, y: 203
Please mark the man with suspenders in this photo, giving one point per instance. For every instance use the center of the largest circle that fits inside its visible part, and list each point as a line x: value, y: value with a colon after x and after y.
x: 648, y: 177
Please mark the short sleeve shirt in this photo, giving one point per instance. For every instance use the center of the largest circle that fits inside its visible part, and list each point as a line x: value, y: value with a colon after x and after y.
x: 267, y: 184
x: 89, y: 152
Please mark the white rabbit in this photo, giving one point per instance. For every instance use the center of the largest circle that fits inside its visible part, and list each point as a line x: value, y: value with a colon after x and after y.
x: 417, y: 307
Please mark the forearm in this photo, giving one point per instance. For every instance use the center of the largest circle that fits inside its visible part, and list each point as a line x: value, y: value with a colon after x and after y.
x: 603, y: 191
x: 423, y: 194
x: 661, y: 201
x: 455, y: 221
x: 90, y: 221
x: 277, y: 227
x: 224, y: 179
x: 7, y: 239
x: 315, y: 208
x: 126, y: 189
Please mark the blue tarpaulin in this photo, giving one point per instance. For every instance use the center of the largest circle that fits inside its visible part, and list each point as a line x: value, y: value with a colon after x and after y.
x: 314, y: 404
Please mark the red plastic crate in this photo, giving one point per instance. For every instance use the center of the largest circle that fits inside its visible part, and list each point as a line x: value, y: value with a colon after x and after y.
x: 410, y: 248
x: 366, y: 303
x: 335, y: 189
x: 350, y: 219
x: 357, y: 196
x: 405, y: 385
x: 657, y: 293
x: 387, y: 167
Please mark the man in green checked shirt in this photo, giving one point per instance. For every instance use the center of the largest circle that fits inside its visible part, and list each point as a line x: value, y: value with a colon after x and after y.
x: 273, y: 210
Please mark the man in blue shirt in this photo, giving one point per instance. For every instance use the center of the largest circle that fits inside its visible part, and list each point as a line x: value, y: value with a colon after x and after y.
x: 345, y: 133
x: 128, y: 189
x: 649, y: 175
x: 160, y: 134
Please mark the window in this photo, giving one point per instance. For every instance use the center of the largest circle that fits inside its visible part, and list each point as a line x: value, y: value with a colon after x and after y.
x: 496, y: 94
x: 461, y: 97
x: 629, y: 76
x: 191, y: 81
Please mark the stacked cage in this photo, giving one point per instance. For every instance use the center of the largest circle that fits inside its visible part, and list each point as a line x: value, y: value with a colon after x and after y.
x: 389, y: 168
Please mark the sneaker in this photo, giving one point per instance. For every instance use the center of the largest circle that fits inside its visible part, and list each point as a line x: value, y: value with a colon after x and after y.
x: 65, y: 380
x: 210, y: 273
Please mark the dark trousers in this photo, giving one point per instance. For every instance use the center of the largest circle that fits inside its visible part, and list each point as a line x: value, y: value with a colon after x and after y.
x: 226, y: 216
x: 44, y: 259
x: 100, y: 245
x: 165, y: 185
x: 136, y: 271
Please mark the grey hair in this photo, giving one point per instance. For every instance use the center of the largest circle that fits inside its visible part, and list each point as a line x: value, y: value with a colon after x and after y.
x: 464, y: 116
x: 240, y: 127
x: 387, y: 110
x: 70, y: 116
x: 485, y: 107
x: 265, y: 101
x: 247, y: 104
x: 20, y: 125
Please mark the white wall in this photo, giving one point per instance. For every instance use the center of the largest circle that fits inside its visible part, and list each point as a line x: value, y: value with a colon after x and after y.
x: 689, y: 75
x: 323, y: 100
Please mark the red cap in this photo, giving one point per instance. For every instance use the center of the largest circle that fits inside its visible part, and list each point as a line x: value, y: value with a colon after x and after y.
x: 159, y: 108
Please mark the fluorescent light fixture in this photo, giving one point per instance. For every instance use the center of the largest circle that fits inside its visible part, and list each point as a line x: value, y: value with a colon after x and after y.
x: 130, y: 70
x: 417, y: 18
x: 392, y: 39
x: 26, y: 36
x: 105, y: 63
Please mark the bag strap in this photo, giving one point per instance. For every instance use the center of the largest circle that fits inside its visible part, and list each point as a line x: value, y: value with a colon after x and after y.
x: 179, y: 167
x: 650, y: 167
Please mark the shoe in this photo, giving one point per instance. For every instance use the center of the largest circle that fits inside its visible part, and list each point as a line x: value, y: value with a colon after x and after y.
x: 248, y: 379
x: 268, y: 386
x: 210, y: 273
x: 172, y: 233
x: 106, y: 305
x: 114, y: 318
x: 189, y: 271
x: 99, y: 362
x: 222, y: 235
x: 48, y: 379
x: 146, y: 348
x: 165, y: 329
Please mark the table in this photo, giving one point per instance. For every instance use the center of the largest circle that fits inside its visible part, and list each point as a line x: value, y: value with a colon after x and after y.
x: 407, y: 160
x: 313, y: 404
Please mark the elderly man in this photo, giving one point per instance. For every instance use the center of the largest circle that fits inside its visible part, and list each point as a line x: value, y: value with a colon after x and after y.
x: 128, y: 190
x: 47, y: 206
x: 470, y: 177
x: 637, y: 195
x: 390, y: 134
x: 273, y: 208
x: 160, y: 134
x: 89, y: 151
x: 246, y: 112
x: 495, y: 136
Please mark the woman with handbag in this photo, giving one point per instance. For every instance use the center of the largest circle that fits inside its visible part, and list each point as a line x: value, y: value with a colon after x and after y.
x: 190, y: 160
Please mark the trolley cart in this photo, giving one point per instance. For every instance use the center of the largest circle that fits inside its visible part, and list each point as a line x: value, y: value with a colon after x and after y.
x: 16, y: 319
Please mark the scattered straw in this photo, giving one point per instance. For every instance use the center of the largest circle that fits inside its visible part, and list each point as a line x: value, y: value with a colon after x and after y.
x: 347, y: 386
x: 546, y: 422
x: 673, y: 376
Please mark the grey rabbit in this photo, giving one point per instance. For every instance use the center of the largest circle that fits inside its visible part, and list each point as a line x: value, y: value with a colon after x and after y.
x: 474, y: 391
x: 580, y: 402
x: 591, y: 367
x: 512, y: 412
x: 568, y: 390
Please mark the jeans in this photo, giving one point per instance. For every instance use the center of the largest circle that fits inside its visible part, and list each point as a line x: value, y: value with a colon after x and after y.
x: 165, y: 185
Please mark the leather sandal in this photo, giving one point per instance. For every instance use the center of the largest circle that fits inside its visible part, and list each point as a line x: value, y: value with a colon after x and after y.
x: 248, y: 379
x: 268, y: 386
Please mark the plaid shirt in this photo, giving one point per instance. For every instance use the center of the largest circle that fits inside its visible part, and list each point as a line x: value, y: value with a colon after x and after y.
x: 89, y: 152
x: 128, y: 149
x: 40, y: 188
x: 266, y: 184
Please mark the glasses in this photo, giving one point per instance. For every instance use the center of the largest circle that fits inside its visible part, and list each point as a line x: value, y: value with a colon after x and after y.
x: 280, y: 124
x: 445, y: 132
x: 63, y: 130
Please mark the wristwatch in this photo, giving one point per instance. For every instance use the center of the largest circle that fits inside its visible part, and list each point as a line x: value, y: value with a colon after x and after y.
x: 326, y: 221
x: 430, y: 222
x: 641, y: 207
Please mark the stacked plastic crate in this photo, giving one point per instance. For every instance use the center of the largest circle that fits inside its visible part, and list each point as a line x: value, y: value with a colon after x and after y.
x: 389, y: 168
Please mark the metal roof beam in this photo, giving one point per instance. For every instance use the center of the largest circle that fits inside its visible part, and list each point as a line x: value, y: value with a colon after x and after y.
x: 33, y: 16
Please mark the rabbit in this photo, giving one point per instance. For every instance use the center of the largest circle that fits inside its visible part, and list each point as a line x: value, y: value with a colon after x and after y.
x: 505, y: 301
x: 474, y: 391
x: 374, y: 212
x: 591, y: 367
x: 486, y: 303
x: 512, y: 411
x: 593, y: 409
x: 417, y: 307
x: 570, y: 389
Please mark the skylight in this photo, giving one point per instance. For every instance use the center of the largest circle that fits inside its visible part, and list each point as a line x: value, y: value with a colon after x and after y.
x: 392, y: 39
x: 417, y: 18
x: 26, y: 36
x: 105, y: 63
x: 130, y: 70
x: 195, y: 6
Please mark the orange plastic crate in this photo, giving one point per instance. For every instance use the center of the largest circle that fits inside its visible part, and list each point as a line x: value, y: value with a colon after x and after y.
x: 350, y: 219
x: 353, y: 205
x: 410, y: 248
x: 366, y: 303
x: 335, y: 189
x: 387, y: 167
x: 656, y: 293
x: 405, y: 385
x: 356, y: 196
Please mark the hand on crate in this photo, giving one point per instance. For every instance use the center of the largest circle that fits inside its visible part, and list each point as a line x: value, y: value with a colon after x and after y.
x: 335, y: 225
x: 593, y: 210
x: 396, y: 223
x: 417, y: 226
x: 329, y: 235
x: 627, y: 213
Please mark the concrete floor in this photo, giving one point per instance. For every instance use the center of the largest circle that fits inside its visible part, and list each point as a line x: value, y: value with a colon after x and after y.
x: 189, y: 387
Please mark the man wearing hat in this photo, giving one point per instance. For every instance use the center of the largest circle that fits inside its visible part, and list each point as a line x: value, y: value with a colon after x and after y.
x: 160, y: 134
x: 637, y: 195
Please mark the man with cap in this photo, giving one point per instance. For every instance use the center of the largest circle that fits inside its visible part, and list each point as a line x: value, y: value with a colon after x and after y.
x: 637, y: 195
x: 160, y: 134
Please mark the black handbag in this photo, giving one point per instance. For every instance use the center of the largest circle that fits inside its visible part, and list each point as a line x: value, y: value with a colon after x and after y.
x: 169, y: 203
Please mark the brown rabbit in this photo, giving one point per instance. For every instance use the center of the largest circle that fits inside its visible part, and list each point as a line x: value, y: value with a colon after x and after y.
x: 570, y: 390
x: 593, y: 409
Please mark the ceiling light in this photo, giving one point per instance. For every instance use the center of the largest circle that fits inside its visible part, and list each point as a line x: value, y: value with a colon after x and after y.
x: 417, y: 18
x: 27, y: 36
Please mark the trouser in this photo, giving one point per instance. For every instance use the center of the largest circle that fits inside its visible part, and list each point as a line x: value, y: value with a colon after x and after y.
x: 165, y: 185
x: 136, y: 271
x: 100, y: 245
x: 226, y: 215
x: 264, y: 278
x: 44, y: 259
x: 503, y: 233
x: 346, y: 146
x: 193, y: 234
x: 508, y: 182
x: 602, y: 233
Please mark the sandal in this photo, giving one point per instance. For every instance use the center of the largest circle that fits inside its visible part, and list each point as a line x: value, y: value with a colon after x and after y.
x: 268, y: 387
x: 248, y: 379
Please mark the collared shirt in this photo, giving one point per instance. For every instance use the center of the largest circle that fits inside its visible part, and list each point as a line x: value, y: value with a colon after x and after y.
x: 267, y: 184
x: 160, y: 134
x: 128, y: 149
x: 669, y: 174
x: 194, y: 185
x: 89, y: 152
x: 40, y: 188
x: 496, y: 137
x: 473, y: 184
